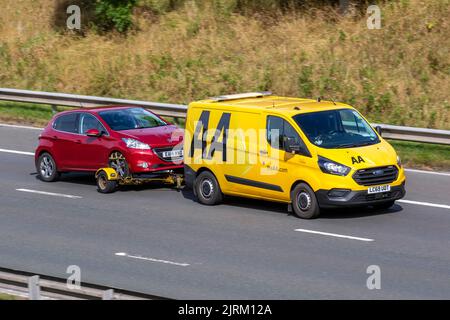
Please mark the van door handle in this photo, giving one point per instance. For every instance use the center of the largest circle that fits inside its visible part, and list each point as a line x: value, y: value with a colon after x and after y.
x: 262, y: 152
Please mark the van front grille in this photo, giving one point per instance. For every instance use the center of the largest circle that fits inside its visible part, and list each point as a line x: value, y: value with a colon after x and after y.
x: 374, y: 176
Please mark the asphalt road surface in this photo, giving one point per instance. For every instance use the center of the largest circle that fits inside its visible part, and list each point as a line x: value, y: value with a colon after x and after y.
x: 159, y: 241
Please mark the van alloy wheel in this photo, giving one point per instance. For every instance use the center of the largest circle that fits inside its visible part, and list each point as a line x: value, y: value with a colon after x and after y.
x: 304, y: 201
x: 207, y: 188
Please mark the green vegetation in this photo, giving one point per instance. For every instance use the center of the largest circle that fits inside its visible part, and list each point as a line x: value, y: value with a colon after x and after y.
x: 6, y: 297
x: 26, y: 113
x: 182, y: 50
x: 114, y: 14
x: 423, y: 155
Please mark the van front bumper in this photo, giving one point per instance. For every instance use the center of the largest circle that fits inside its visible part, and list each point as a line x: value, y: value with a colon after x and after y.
x: 347, y: 198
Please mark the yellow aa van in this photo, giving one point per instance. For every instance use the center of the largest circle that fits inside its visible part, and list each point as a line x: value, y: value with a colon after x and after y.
x: 311, y: 154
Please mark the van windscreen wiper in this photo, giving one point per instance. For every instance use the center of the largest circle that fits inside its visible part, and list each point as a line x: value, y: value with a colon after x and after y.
x: 347, y: 145
x: 355, y: 145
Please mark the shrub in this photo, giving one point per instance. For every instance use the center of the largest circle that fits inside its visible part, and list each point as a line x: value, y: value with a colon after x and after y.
x: 114, y: 14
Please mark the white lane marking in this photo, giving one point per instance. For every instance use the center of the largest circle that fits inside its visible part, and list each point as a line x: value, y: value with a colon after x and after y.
x: 428, y: 204
x: 428, y: 172
x: 124, y: 254
x: 17, y: 152
x: 334, y: 235
x: 50, y: 193
x: 19, y: 126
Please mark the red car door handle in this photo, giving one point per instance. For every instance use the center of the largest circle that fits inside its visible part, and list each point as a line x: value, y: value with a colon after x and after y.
x: 78, y: 141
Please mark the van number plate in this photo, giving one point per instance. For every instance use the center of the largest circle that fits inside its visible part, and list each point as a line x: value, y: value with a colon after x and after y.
x: 379, y: 189
x: 172, y: 154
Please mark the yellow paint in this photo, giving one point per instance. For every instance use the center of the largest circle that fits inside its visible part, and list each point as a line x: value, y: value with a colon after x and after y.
x: 110, y: 173
x: 286, y: 169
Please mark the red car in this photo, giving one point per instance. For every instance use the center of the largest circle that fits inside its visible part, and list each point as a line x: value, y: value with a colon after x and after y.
x: 134, y: 141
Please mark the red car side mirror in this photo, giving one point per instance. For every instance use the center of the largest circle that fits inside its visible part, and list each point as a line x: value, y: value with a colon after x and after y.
x: 93, y: 133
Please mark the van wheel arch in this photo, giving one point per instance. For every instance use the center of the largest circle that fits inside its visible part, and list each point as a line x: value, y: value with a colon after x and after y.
x: 297, y: 183
x: 203, y: 169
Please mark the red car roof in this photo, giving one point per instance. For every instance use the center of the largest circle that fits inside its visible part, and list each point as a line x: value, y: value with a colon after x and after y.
x: 98, y: 109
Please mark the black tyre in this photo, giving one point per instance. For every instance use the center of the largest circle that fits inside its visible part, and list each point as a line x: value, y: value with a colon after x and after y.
x: 384, y: 205
x: 207, y: 189
x: 104, y: 185
x: 46, y: 168
x: 304, y: 202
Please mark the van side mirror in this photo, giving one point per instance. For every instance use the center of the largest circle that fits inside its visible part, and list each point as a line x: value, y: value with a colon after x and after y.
x: 291, y: 145
x: 378, y: 129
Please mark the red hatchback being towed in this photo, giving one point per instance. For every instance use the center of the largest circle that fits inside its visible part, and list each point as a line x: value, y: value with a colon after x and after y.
x: 133, y: 141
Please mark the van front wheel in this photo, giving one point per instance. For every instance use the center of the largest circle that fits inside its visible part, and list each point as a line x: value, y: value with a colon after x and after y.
x: 304, y: 202
x: 207, y: 189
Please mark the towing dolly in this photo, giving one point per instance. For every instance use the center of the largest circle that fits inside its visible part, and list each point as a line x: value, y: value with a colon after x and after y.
x: 108, y: 180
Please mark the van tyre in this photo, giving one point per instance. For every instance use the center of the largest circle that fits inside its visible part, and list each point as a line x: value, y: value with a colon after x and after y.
x: 46, y: 168
x: 207, y: 189
x: 304, y: 202
x: 104, y: 185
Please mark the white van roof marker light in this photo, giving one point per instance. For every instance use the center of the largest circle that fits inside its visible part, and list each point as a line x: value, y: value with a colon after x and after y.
x: 241, y: 96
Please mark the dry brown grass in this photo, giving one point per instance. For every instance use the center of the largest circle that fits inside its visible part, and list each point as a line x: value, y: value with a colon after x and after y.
x: 399, y: 74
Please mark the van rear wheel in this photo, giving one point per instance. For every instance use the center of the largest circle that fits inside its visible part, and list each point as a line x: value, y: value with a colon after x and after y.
x: 304, y: 202
x: 207, y: 189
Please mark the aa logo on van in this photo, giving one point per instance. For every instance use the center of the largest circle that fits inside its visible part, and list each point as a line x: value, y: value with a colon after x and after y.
x: 359, y: 159
x: 221, y: 133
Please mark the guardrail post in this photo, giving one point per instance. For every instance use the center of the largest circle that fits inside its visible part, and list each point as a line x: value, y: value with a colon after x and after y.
x: 54, y: 109
x: 108, y: 294
x: 34, y: 290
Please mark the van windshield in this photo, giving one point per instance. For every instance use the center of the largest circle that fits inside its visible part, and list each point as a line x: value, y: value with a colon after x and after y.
x: 343, y: 128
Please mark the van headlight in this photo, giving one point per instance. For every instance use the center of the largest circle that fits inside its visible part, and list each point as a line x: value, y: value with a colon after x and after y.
x: 332, y: 167
x: 135, y: 144
x: 399, y: 161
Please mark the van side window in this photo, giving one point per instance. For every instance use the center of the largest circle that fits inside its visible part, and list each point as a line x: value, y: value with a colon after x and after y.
x: 275, y: 132
x: 88, y: 121
x: 290, y: 132
x: 278, y: 130
x: 67, y: 123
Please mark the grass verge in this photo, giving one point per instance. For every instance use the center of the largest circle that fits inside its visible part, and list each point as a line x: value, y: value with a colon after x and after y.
x: 423, y: 155
x: 4, y: 296
x: 25, y: 113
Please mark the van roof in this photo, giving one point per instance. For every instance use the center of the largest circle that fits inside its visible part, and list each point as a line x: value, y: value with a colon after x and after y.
x: 277, y: 104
